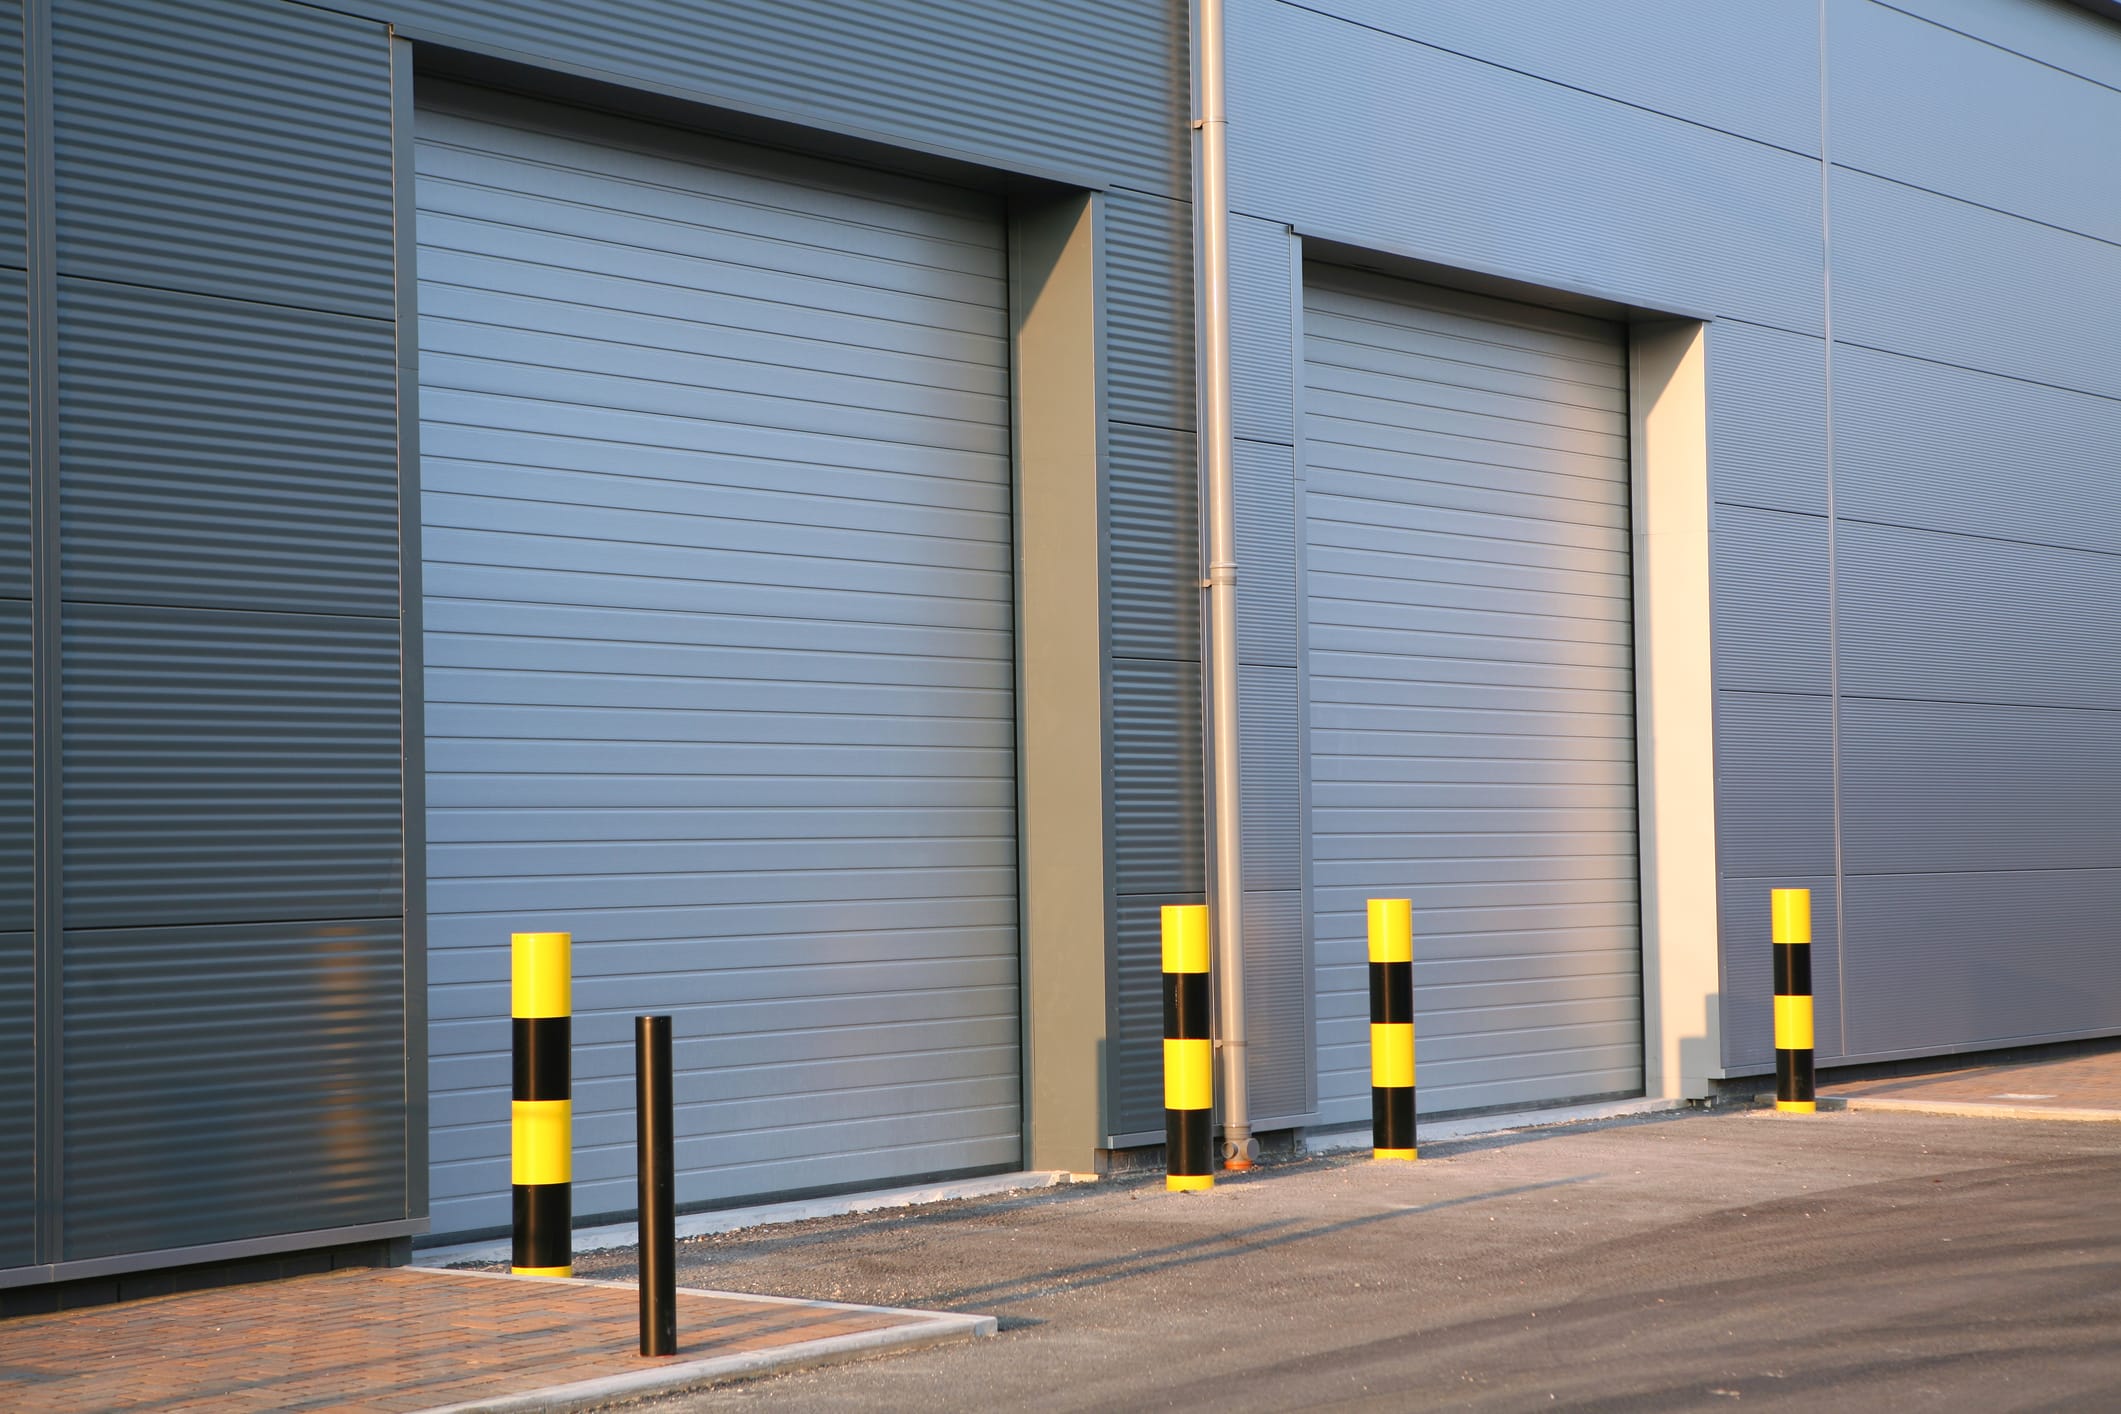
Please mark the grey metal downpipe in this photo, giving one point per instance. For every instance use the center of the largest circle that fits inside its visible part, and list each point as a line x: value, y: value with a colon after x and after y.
x: 1211, y: 208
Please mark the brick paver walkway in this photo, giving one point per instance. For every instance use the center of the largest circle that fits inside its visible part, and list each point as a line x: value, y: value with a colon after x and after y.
x: 387, y: 1340
x: 2076, y: 1083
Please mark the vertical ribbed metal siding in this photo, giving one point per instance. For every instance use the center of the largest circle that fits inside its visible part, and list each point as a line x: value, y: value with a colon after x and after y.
x: 14, y: 439
x: 17, y: 1072
x: 1471, y: 669
x: 11, y: 135
x: 719, y: 656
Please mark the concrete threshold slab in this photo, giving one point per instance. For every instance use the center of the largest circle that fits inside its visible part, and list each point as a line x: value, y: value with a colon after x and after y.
x: 617, y: 1235
x: 1481, y: 1126
x: 1970, y: 1109
x: 915, y: 1330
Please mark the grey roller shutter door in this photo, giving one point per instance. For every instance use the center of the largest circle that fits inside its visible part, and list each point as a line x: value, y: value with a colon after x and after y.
x: 719, y: 658
x: 1468, y: 610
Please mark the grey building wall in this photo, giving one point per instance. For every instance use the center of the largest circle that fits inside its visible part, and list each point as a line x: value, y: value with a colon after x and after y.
x: 1911, y: 443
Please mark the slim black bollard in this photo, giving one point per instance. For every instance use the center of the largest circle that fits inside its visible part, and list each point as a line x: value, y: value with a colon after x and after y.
x: 652, y: 1112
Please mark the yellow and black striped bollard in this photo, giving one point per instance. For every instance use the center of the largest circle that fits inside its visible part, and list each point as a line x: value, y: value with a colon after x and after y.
x: 1392, y: 1028
x: 1189, y: 1051
x: 1792, y: 933
x: 542, y: 1114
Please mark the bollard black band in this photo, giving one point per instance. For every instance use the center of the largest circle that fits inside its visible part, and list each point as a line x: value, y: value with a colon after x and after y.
x: 1187, y: 1016
x: 1189, y: 1143
x: 1793, y: 969
x: 1392, y: 1116
x: 1391, y: 993
x: 541, y: 1058
x: 544, y: 1226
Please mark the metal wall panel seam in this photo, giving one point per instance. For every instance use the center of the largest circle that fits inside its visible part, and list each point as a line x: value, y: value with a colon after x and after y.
x: 2082, y: 29
x: 412, y: 729
x: 1108, y: 1117
x: 1298, y: 484
x: 1833, y: 626
x: 41, y: 243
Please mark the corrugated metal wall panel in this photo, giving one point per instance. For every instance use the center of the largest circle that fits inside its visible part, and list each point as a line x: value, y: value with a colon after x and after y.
x: 1774, y: 784
x: 14, y: 438
x: 1476, y: 166
x: 226, y: 147
x: 1961, y: 618
x: 1262, y: 339
x: 1471, y: 703
x: 18, y: 1100
x: 1152, y: 479
x: 1148, y: 310
x: 1278, y: 1035
x: 1924, y: 444
x: 1913, y: 273
x: 17, y: 769
x: 1769, y: 610
x: 719, y: 662
x: 2039, y: 143
x: 1980, y: 976
x: 223, y: 767
x: 1156, y: 779
x: 227, y: 455
x: 1767, y: 417
x: 1747, y: 999
x: 2055, y: 32
x: 11, y: 133
x: 1101, y: 85
x: 1265, y: 494
x: 1747, y: 69
x: 1269, y: 744
x: 256, y: 1073
x: 1953, y: 786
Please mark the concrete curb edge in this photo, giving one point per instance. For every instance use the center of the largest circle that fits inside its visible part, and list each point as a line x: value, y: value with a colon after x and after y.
x: 1972, y: 1109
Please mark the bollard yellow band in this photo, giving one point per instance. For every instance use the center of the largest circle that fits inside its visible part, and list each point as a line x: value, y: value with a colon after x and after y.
x: 541, y: 1271
x: 1791, y: 915
x: 1188, y: 1182
x: 1185, y: 937
x: 1404, y: 1155
x: 1797, y: 1107
x: 1793, y: 1023
x: 1392, y: 1055
x: 1189, y: 1075
x: 1391, y: 930
x: 543, y: 973
x: 544, y: 1141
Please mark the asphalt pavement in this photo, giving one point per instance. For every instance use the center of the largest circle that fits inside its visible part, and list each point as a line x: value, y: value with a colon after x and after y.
x: 1694, y: 1261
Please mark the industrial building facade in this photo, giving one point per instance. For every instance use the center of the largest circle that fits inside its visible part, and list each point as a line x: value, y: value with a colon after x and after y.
x: 721, y: 480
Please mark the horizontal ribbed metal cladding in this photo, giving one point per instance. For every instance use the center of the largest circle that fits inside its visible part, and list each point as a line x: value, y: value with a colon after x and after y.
x: 229, y: 147
x: 1957, y: 786
x: 18, y: 1099
x: 1262, y: 342
x: 1746, y: 69
x: 1100, y: 86
x: 225, y: 767
x: 1747, y: 1000
x: 1265, y: 492
x: 1156, y: 778
x: 17, y: 768
x: 1472, y: 165
x: 2039, y: 144
x: 225, y: 454
x: 1969, y: 619
x: 11, y: 134
x: 1970, y: 971
x: 1923, y: 444
x: 1149, y: 310
x: 1774, y: 784
x: 1767, y: 417
x: 1269, y: 745
x: 14, y: 438
x: 1468, y: 601
x: 1152, y: 542
x: 1915, y: 273
x: 1278, y: 1041
x: 720, y: 659
x: 2062, y: 36
x: 231, y: 1081
x: 1769, y: 611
